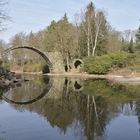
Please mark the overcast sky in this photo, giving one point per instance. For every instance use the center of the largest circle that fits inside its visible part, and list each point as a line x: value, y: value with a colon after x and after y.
x: 34, y: 15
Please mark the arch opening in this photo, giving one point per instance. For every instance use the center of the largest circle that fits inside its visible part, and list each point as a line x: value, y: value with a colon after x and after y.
x: 77, y: 85
x: 6, y: 96
x: 47, y: 68
x: 78, y: 63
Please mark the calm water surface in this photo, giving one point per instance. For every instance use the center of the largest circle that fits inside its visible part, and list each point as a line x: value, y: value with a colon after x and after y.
x: 70, y: 109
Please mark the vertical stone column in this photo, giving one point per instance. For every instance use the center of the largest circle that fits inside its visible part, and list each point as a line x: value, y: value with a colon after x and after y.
x: 57, y: 62
x: 0, y: 59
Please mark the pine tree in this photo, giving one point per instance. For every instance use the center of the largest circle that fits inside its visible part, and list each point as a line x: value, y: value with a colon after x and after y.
x: 101, y: 33
x: 130, y: 47
x: 138, y: 40
x: 138, y: 36
x: 61, y: 36
x: 89, y: 27
x: 95, y: 29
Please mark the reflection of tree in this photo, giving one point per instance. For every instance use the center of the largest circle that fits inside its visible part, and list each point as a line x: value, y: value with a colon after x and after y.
x: 2, y: 90
x: 92, y: 115
x: 27, y: 92
x: 138, y: 110
x: 61, y: 112
x: 88, y: 111
x: 77, y: 107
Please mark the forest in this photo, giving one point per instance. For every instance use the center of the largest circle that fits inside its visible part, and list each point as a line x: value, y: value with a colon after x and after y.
x: 90, y: 38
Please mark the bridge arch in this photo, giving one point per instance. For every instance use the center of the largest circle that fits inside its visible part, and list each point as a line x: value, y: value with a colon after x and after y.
x: 41, y: 53
x: 30, y: 101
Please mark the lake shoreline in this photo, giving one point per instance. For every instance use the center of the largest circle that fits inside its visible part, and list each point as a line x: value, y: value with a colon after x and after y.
x: 132, y: 79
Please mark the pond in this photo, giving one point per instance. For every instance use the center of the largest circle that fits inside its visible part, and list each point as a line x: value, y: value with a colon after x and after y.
x: 62, y: 108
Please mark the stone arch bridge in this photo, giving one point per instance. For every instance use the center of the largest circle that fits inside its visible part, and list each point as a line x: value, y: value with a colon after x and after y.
x: 54, y: 59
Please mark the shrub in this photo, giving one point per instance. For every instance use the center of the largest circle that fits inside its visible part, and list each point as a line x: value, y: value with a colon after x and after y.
x: 120, y: 59
x: 102, y: 64
x: 97, y: 65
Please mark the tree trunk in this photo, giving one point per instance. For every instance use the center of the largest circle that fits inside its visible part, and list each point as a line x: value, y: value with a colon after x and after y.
x: 95, y: 107
x: 91, y: 40
x: 67, y: 62
x: 88, y: 114
x: 95, y: 41
x: 88, y: 45
x: 88, y: 37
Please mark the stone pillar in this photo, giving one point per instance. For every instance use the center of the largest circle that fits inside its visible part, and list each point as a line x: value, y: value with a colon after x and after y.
x: 57, y: 62
x: 0, y: 59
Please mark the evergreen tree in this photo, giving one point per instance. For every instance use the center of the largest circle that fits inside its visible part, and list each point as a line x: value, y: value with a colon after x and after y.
x: 61, y: 36
x: 124, y: 45
x: 88, y: 26
x: 102, y: 38
x: 95, y: 29
x: 138, y: 40
x: 138, y: 36
x: 130, y: 47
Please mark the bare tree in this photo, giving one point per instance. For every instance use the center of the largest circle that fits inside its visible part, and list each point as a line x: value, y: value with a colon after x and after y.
x: 3, y: 14
x: 114, y: 40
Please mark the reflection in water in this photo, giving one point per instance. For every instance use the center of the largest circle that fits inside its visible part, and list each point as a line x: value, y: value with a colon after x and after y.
x: 22, y: 91
x: 86, y: 107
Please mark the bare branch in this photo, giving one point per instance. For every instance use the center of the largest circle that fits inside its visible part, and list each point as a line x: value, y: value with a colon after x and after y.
x: 3, y: 14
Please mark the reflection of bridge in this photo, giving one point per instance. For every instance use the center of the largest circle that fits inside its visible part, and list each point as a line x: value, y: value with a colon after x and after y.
x: 54, y: 90
x: 54, y: 59
x: 30, y: 101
